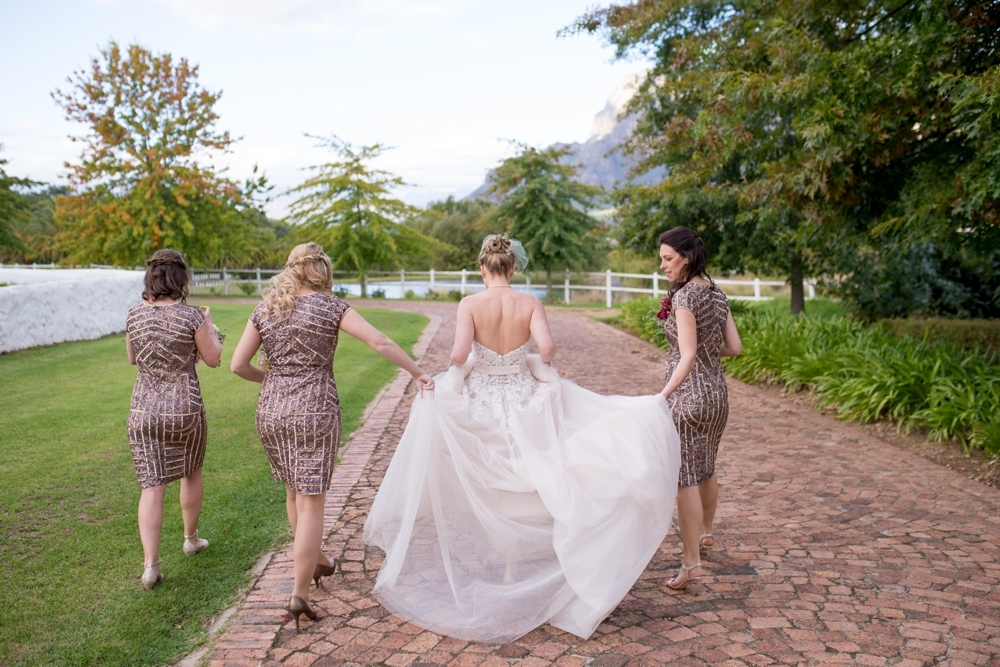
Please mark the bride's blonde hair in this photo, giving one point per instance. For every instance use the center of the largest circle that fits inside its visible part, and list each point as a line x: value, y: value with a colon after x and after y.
x: 307, y: 266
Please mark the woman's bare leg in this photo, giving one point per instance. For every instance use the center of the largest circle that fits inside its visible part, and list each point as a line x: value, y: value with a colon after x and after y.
x: 192, y: 495
x: 151, y: 521
x: 709, y: 492
x: 690, y: 516
x: 308, y: 539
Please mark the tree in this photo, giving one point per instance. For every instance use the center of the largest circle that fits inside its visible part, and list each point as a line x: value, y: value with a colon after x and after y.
x: 346, y: 207
x: 460, y: 224
x: 13, y: 209
x: 545, y: 209
x: 844, y: 130
x: 138, y: 185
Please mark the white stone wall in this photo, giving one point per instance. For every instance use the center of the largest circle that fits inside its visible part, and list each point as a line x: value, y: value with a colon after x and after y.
x: 46, y: 306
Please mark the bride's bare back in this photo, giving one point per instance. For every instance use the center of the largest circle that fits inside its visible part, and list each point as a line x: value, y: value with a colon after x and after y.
x: 502, y: 320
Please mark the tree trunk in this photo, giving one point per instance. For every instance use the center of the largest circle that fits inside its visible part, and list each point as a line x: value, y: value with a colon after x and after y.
x: 548, y: 285
x: 798, y: 293
x: 363, y: 277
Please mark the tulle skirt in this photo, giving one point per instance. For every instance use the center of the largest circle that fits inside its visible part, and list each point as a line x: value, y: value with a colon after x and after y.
x: 493, y: 525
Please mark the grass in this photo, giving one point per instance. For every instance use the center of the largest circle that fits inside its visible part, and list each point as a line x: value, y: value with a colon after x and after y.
x: 70, y: 556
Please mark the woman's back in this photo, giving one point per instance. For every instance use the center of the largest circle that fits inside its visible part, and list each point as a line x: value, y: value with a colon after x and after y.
x: 501, y: 318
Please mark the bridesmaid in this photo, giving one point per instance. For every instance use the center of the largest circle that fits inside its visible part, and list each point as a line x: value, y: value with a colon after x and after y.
x: 164, y: 337
x: 298, y: 413
x: 700, y: 330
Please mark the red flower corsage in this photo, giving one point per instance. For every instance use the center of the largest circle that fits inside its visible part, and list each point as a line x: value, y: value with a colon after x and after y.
x: 664, y: 308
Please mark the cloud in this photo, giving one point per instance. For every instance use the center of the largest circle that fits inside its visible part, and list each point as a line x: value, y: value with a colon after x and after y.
x: 359, y: 19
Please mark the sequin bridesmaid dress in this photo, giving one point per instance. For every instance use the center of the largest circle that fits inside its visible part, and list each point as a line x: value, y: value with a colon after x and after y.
x: 166, y: 425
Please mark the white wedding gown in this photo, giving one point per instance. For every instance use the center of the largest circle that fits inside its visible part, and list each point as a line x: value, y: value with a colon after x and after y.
x: 517, y: 498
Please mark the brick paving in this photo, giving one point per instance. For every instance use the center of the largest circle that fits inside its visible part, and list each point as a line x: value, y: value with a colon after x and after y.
x: 833, y: 547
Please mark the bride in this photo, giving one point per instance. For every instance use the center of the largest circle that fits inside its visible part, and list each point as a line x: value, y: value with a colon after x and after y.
x: 515, y: 497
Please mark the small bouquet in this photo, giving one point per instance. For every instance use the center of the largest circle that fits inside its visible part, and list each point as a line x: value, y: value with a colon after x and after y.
x: 219, y: 334
x: 664, y: 308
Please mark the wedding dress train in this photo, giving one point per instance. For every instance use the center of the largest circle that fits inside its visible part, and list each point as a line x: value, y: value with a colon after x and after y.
x: 516, y: 498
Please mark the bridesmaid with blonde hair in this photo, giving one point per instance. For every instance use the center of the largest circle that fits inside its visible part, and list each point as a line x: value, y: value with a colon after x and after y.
x: 298, y: 413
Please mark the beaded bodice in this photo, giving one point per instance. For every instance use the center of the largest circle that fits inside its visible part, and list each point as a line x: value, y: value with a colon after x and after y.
x: 501, y: 381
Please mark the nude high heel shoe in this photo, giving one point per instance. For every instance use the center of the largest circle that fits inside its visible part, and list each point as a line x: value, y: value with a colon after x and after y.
x: 676, y: 585
x: 193, y: 544
x: 296, y: 607
x: 151, y: 575
x: 707, y: 548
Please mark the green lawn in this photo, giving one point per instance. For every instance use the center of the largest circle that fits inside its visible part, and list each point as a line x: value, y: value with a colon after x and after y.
x: 70, y: 556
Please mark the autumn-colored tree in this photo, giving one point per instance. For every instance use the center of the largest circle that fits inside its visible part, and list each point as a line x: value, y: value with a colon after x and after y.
x: 13, y: 209
x: 541, y: 206
x: 346, y: 207
x: 827, y: 134
x: 138, y: 185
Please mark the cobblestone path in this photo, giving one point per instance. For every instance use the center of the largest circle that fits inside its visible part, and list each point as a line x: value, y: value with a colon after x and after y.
x: 833, y: 547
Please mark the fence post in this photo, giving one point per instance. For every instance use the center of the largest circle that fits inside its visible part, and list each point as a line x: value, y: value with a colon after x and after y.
x: 34, y: 266
x: 260, y: 287
x: 402, y: 283
x: 527, y: 282
x: 812, y: 288
x: 756, y: 289
x: 656, y: 285
x: 607, y: 284
x: 225, y: 282
x: 566, y: 288
x: 431, y: 287
x: 464, y: 273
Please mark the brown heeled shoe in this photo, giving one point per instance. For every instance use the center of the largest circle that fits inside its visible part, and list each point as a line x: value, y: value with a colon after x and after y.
x: 324, y: 571
x: 296, y: 607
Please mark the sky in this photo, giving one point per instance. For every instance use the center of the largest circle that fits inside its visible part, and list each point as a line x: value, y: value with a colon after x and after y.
x: 446, y: 83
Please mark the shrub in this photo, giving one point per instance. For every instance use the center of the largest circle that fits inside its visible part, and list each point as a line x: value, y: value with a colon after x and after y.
x: 982, y: 335
x: 378, y: 293
x: 248, y: 288
x: 864, y: 371
x: 409, y: 294
x: 869, y: 374
x: 454, y: 295
x: 341, y: 291
x: 638, y: 316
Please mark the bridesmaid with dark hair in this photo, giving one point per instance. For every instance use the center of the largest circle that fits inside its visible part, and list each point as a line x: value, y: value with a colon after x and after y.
x: 701, y: 330
x: 165, y: 337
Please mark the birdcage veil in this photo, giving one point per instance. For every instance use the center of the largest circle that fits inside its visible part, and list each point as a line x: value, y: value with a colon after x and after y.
x: 517, y: 250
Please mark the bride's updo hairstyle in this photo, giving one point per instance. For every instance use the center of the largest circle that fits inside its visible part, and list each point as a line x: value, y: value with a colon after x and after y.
x: 307, y: 266
x: 166, y: 276
x: 496, y: 255
x: 688, y: 245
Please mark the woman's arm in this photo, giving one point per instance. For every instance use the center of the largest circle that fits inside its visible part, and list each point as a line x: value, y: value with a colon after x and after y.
x: 465, y: 329
x: 129, y: 350
x: 207, y: 341
x: 539, y: 327
x: 359, y: 327
x: 243, y: 355
x: 732, y: 346
x: 687, y: 342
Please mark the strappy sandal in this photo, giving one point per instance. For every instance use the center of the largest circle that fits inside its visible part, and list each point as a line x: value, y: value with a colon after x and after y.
x: 674, y: 585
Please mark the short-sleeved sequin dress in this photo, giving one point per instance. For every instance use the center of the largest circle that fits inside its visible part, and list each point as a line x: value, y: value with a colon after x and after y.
x: 166, y: 425
x: 298, y: 414
x: 700, y: 405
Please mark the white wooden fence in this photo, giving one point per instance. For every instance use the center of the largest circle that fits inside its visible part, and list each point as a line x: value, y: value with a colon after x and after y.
x: 609, y: 282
